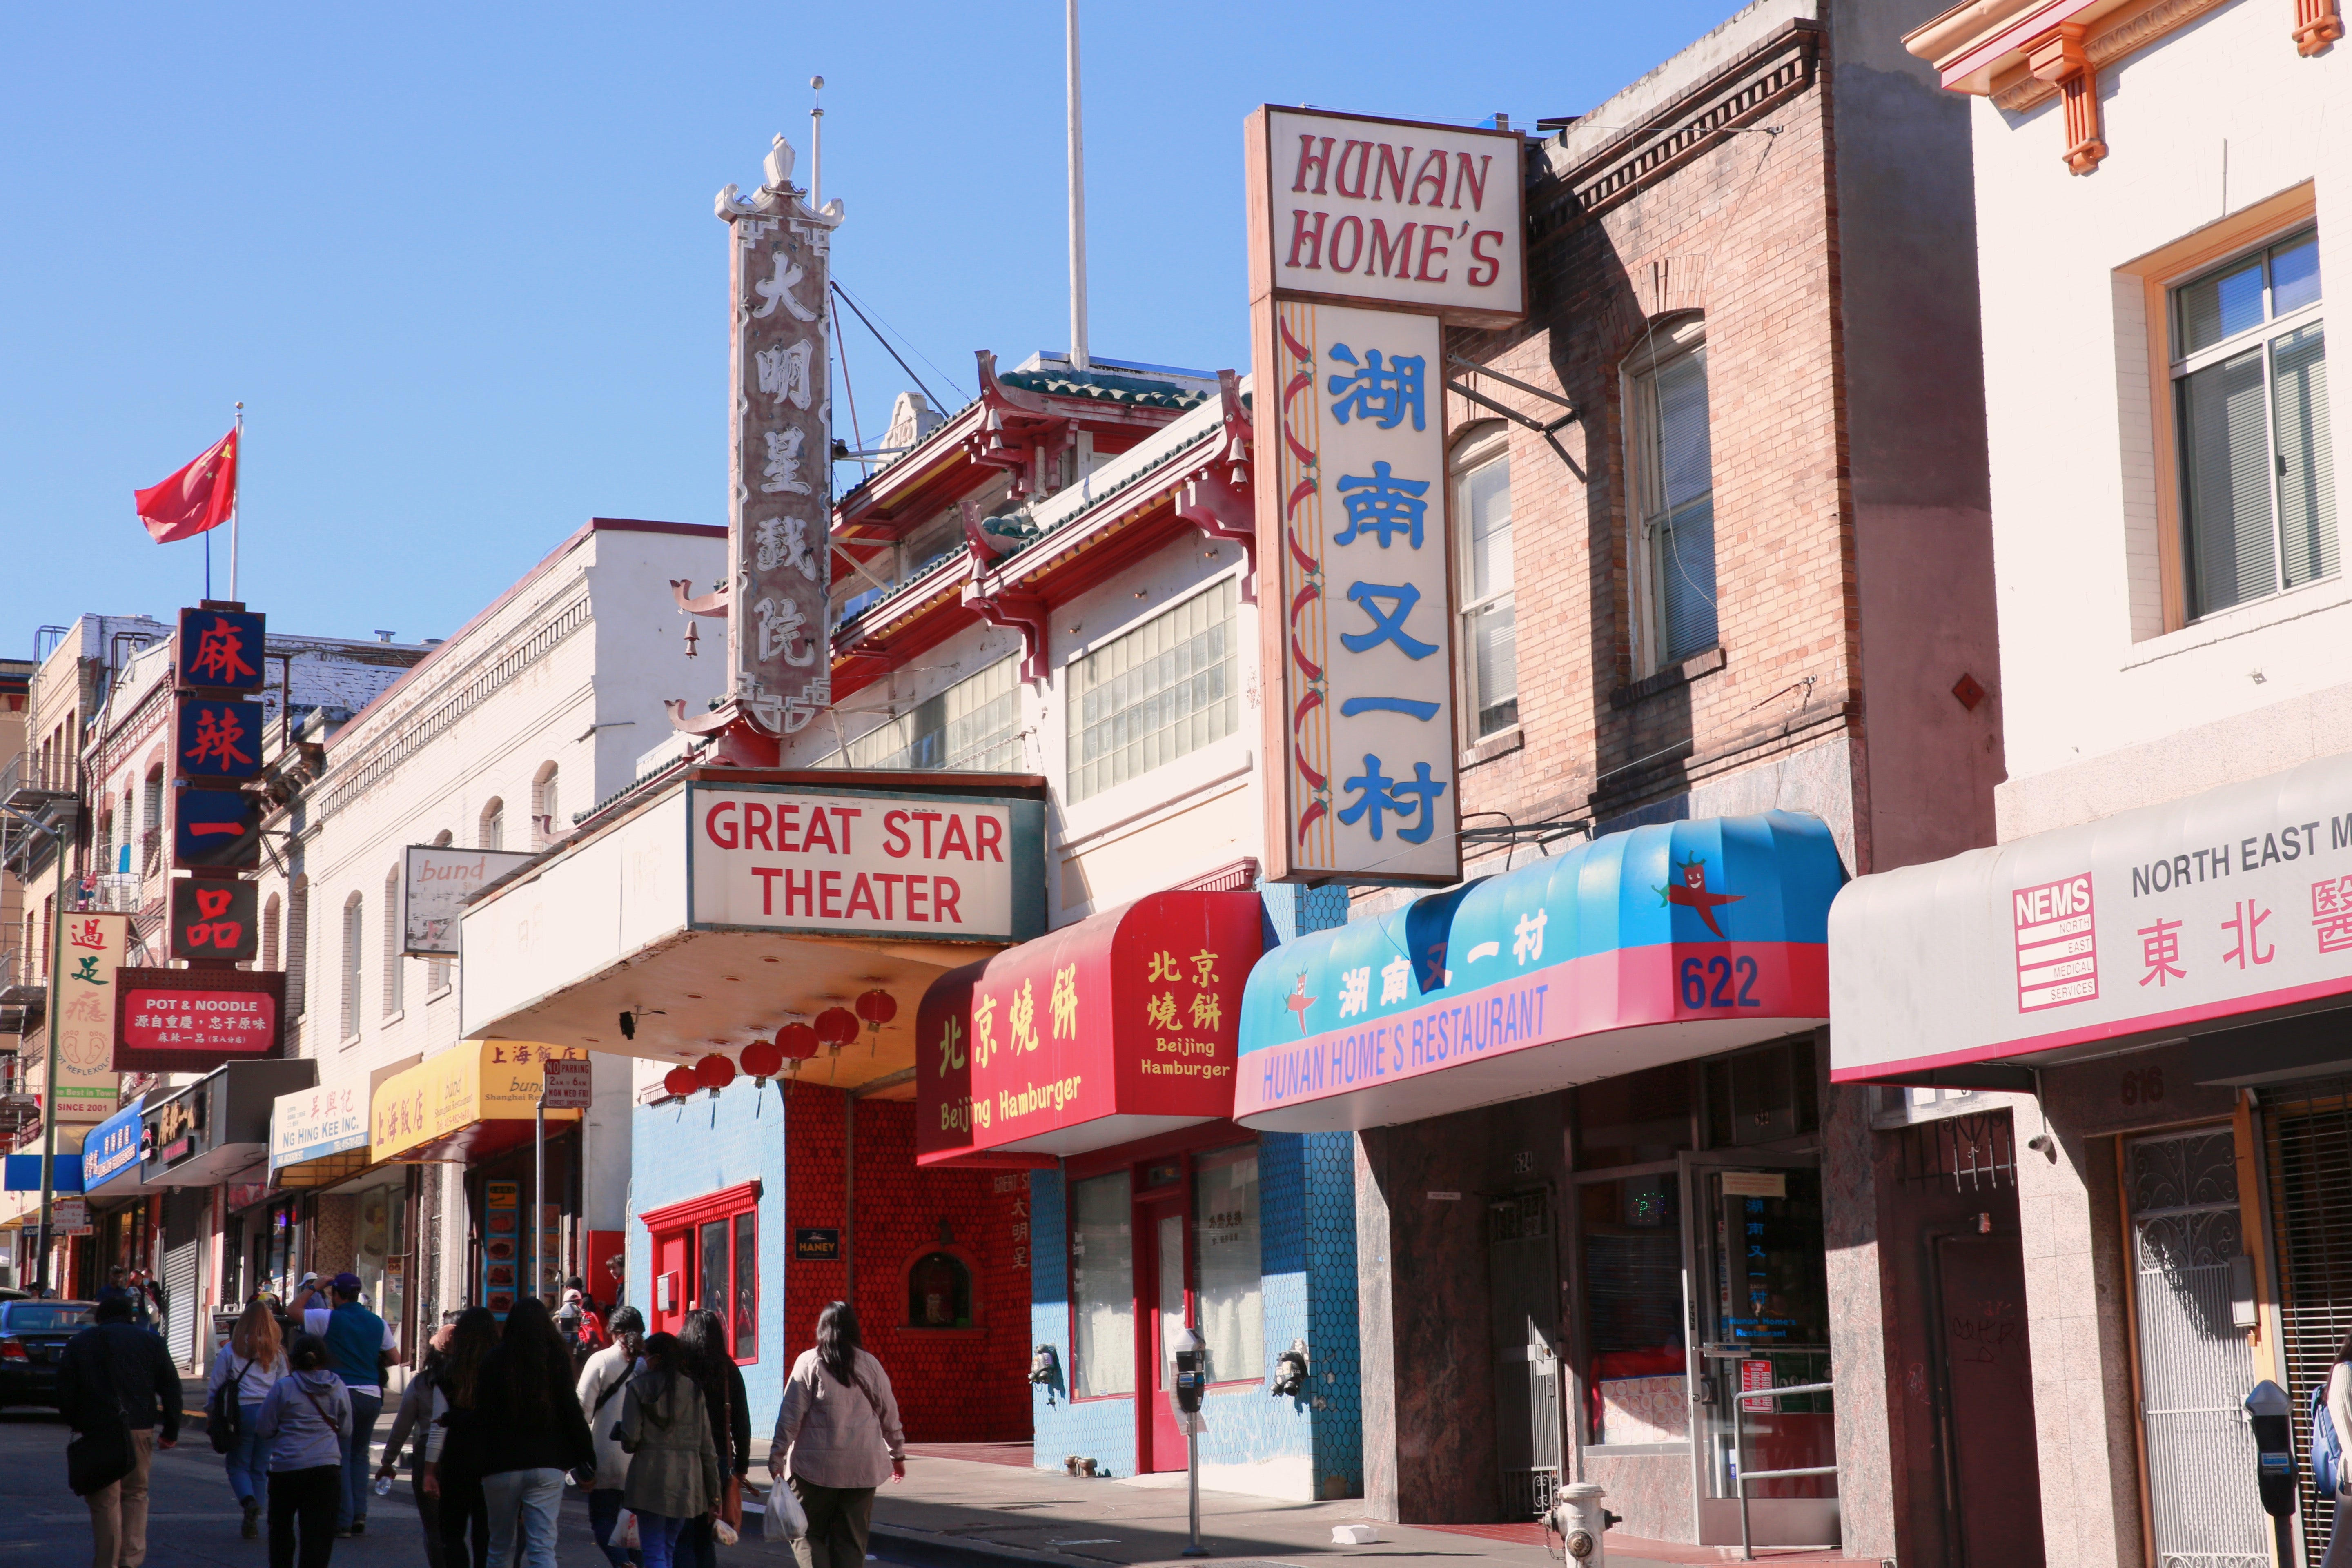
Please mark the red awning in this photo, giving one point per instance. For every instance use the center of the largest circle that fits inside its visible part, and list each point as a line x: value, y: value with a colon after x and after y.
x: 1116, y: 1028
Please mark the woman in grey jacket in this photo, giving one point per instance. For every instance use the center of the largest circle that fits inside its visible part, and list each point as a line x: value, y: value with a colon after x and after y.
x: 672, y: 1459
x: 306, y: 1419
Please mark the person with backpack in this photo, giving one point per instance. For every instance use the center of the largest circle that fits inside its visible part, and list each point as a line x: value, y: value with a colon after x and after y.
x: 837, y: 1437
x: 307, y: 1421
x: 248, y: 1366
x: 672, y: 1458
x: 601, y: 1382
x: 118, y: 1389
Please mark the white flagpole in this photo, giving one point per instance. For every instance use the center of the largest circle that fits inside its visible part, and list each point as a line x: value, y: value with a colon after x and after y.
x: 236, y: 501
x: 1078, y: 356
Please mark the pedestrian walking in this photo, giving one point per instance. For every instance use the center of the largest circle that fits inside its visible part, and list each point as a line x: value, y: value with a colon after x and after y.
x: 417, y: 1426
x: 247, y: 1367
x: 360, y: 1348
x: 702, y: 1338
x: 601, y: 1382
x: 532, y: 1431
x: 838, y: 1436
x: 673, y: 1458
x: 306, y: 1420
x: 115, y: 1377
x: 454, y: 1477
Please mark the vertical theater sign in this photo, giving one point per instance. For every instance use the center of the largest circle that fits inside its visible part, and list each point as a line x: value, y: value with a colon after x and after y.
x: 779, y: 469
x: 1368, y: 237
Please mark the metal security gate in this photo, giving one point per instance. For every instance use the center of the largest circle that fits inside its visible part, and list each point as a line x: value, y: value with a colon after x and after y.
x: 2307, y: 1149
x: 1523, y: 1288
x: 2187, y: 1234
x: 186, y: 1212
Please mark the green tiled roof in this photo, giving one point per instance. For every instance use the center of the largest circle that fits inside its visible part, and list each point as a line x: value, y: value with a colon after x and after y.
x: 1135, y: 391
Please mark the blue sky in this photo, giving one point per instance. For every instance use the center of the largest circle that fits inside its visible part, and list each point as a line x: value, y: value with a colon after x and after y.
x: 460, y: 262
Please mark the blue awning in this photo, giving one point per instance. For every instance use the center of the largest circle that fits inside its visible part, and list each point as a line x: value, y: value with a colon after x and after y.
x: 1643, y: 947
x: 111, y: 1150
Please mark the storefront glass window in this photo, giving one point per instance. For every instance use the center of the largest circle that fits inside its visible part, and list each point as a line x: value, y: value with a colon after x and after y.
x: 1636, y: 1385
x: 747, y: 1286
x: 1633, y: 1119
x: 1229, y: 1272
x: 1102, y: 1281
x: 1761, y: 1097
x: 713, y: 1296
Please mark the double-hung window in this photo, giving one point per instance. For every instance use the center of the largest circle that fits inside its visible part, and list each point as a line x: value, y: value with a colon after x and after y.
x: 2250, y: 398
x: 1482, y: 502
x: 1151, y: 695
x: 1674, y: 489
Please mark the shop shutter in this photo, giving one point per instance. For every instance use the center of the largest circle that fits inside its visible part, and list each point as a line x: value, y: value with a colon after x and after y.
x: 2186, y: 1235
x: 185, y: 1214
x: 2307, y: 1149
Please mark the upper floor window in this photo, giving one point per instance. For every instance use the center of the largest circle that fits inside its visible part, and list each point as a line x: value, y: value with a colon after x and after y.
x: 973, y: 725
x: 351, y: 967
x: 1673, y: 491
x: 1151, y: 695
x: 547, y: 808
x: 494, y: 826
x: 2249, y: 396
x: 1490, y: 665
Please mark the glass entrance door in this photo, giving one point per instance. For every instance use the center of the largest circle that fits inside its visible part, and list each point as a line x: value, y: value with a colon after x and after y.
x: 1759, y: 1313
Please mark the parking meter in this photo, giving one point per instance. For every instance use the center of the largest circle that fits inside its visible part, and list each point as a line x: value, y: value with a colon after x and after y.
x: 2270, y: 1413
x: 1187, y: 1380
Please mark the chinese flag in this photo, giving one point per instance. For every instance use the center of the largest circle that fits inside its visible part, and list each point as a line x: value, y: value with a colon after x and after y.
x: 199, y: 496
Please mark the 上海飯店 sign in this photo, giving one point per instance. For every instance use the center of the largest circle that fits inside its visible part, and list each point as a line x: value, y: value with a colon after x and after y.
x: 2164, y: 918
x: 935, y: 866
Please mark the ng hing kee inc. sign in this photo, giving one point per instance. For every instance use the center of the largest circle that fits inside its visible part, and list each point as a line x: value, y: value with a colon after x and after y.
x: 939, y: 867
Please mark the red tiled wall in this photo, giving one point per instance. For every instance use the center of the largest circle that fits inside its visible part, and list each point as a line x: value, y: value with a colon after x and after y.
x: 963, y: 1386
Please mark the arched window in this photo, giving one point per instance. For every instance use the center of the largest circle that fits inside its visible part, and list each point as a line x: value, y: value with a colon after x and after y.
x: 351, y: 967
x: 271, y: 914
x: 494, y: 825
x: 394, y: 964
x: 939, y: 1292
x: 546, y: 808
x: 297, y: 946
x: 436, y: 970
x: 148, y: 855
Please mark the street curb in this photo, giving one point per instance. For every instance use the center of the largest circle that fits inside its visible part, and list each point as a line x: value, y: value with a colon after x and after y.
x: 923, y: 1549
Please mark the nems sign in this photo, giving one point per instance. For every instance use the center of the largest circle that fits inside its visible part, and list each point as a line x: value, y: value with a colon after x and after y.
x: 935, y: 867
x: 1391, y: 213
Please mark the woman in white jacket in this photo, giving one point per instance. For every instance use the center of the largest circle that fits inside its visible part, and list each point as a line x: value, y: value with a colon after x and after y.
x: 252, y: 1359
x: 601, y: 1382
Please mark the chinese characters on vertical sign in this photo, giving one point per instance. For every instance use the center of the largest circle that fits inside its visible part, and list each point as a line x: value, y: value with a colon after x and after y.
x: 1424, y: 222
x: 87, y: 1087
x: 1365, y: 723
x: 780, y: 492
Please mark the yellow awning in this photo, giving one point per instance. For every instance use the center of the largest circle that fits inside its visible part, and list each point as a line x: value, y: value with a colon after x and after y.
x: 474, y: 1098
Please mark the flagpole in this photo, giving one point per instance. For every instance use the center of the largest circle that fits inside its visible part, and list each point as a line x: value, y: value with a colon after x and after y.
x: 236, y: 500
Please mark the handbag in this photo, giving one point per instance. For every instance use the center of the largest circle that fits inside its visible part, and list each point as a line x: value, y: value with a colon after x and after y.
x: 731, y: 1484
x: 101, y: 1454
x: 222, y: 1417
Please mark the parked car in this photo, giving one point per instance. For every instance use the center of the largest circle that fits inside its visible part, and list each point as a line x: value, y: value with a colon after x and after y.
x: 10, y: 1293
x: 33, y: 1335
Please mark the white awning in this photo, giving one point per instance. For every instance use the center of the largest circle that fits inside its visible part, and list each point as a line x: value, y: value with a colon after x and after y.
x: 2152, y: 924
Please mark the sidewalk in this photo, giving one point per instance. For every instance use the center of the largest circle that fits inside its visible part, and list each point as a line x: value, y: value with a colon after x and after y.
x: 956, y: 1512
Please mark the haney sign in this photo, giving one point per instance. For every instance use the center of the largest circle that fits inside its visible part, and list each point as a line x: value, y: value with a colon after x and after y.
x: 1359, y: 652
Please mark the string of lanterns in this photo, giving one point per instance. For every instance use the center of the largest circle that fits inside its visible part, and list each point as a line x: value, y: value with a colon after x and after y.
x: 793, y: 1044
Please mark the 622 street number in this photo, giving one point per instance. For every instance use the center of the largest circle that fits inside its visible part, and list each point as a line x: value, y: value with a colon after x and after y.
x: 1707, y: 982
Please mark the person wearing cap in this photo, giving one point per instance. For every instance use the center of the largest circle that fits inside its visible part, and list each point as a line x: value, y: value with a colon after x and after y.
x: 360, y: 1348
x: 578, y: 1319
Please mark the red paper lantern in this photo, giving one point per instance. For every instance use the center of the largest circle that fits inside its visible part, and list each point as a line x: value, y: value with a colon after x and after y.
x: 797, y: 1041
x: 714, y: 1071
x: 836, y: 1026
x: 763, y: 1058
x: 877, y: 1007
x: 679, y: 1081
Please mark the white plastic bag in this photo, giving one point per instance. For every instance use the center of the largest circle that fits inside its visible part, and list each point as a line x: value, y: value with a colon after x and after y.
x: 722, y: 1533
x: 783, y: 1521
x: 625, y: 1530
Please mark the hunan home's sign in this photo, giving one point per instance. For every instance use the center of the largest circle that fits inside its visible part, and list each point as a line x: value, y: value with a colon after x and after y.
x: 1108, y: 1030
x: 930, y: 868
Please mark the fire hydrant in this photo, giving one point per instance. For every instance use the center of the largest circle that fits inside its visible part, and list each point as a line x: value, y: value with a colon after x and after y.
x: 1582, y: 1523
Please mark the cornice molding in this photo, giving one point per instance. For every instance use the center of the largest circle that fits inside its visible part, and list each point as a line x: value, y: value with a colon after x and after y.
x: 2103, y: 48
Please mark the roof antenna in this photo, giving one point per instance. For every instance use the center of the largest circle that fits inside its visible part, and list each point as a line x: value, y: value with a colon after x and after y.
x: 816, y: 147
x: 1078, y: 359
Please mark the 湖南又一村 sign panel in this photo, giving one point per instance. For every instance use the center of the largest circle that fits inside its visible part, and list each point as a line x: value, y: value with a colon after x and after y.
x: 2167, y: 918
x: 1390, y: 213
x: 930, y: 868
x: 1360, y: 648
